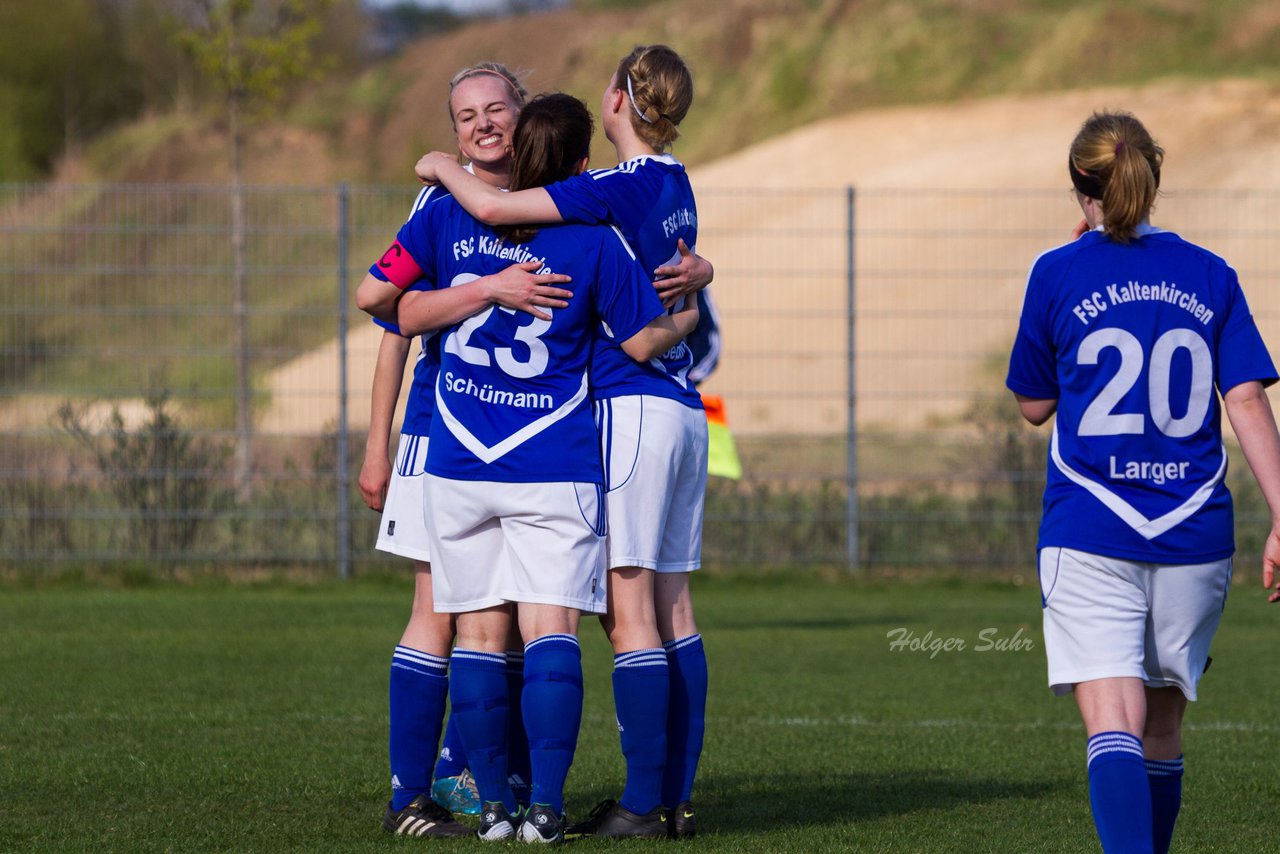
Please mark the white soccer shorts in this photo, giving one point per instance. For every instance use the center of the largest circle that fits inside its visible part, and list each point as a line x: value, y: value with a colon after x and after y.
x: 517, y: 542
x: 404, y: 512
x: 1106, y: 617
x: 655, y: 455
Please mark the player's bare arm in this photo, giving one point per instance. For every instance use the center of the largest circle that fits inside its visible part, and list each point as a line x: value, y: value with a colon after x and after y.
x: 518, y: 287
x: 1249, y: 411
x: 484, y: 202
x: 676, y: 281
x: 375, y: 474
x: 377, y: 298
x: 1036, y: 411
x: 663, y: 332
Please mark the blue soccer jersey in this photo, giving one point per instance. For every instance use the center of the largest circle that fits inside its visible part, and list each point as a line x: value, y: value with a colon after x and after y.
x: 1131, y: 340
x: 512, y: 399
x: 704, y: 340
x: 650, y: 201
x: 421, y: 402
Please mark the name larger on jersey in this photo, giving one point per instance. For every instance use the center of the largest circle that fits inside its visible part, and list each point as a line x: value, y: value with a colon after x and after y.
x: 1146, y: 527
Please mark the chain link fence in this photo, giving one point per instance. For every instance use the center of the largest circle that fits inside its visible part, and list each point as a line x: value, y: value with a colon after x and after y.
x: 168, y: 397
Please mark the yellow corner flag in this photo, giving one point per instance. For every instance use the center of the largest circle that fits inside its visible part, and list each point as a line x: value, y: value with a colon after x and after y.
x: 722, y: 454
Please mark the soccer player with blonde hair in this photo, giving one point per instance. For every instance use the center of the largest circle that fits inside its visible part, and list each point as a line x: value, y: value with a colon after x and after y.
x: 1128, y: 336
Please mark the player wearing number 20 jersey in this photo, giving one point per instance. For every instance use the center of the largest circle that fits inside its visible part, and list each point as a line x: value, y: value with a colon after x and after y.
x: 1132, y: 340
x: 1129, y: 334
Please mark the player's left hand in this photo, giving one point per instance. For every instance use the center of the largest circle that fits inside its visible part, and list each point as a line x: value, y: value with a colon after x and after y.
x: 1271, y: 565
x: 375, y: 475
x: 427, y: 163
x: 677, y: 281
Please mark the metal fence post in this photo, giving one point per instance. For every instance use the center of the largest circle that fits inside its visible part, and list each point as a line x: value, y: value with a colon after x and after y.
x: 344, y: 486
x: 851, y: 429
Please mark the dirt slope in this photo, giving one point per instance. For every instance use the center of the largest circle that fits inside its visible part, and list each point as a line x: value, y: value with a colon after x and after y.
x: 1219, y: 135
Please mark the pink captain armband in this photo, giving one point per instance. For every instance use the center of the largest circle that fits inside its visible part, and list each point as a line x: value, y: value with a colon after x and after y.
x: 399, y: 267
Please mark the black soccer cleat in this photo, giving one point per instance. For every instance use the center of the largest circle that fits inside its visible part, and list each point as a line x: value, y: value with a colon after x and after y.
x: 681, y: 823
x: 542, y: 824
x: 496, y: 823
x: 612, y: 820
x: 423, y: 817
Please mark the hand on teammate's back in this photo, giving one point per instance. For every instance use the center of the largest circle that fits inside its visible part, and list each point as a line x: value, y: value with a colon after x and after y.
x: 521, y: 287
x: 676, y: 281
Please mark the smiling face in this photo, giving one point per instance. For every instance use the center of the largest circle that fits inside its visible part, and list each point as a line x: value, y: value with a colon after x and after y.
x: 484, y: 118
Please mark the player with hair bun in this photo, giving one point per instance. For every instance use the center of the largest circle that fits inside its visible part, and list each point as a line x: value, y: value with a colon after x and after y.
x: 1125, y: 334
x: 654, y: 436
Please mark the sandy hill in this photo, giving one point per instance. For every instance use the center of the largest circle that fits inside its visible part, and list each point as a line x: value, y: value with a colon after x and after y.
x: 783, y: 366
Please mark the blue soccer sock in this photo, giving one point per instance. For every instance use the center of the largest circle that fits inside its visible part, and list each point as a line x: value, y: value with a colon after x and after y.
x: 552, y: 713
x: 686, y: 717
x: 641, y: 687
x: 519, y: 772
x: 453, y: 756
x: 1165, y: 779
x: 418, y: 687
x: 1118, y: 793
x: 478, y: 692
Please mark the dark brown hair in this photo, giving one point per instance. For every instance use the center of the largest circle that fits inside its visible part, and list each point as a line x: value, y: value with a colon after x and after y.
x: 551, y: 139
x: 1114, y: 151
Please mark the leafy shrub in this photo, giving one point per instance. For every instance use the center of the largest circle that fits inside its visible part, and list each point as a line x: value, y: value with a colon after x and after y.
x: 168, y: 482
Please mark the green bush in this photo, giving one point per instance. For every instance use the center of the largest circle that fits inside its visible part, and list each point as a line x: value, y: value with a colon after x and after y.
x: 167, y: 482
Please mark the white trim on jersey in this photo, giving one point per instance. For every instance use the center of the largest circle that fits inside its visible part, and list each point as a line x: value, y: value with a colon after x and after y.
x: 625, y: 244
x: 420, y: 202
x: 628, y: 166
x: 424, y: 195
x: 679, y: 377
x: 489, y: 454
x: 1146, y: 528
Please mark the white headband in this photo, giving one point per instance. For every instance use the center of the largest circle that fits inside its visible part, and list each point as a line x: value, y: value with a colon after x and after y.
x: 632, y: 95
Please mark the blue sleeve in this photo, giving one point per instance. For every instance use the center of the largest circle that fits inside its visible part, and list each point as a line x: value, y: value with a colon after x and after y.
x: 412, y: 255
x: 582, y: 199
x: 1033, y: 364
x: 418, y: 236
x: 1242, y: 356
x: 625, y: 298
x: 704, y: 341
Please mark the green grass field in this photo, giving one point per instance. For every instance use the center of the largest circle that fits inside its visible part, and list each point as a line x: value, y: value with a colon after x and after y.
x: 210, y: 717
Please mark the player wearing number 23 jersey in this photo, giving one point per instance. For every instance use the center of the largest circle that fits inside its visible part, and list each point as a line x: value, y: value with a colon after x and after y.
x: 653, y: 434
x: 511, y: 394
x: 515, y: 477
x: 1132, y: 339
